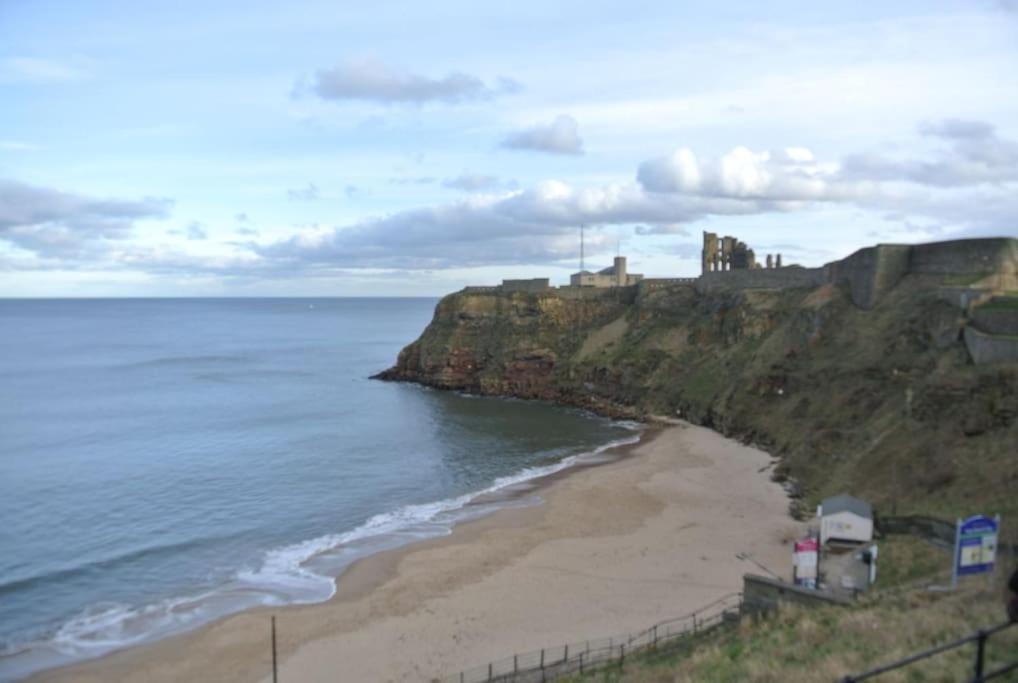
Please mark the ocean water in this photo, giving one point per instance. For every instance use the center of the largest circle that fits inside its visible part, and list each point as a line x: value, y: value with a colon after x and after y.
x: 166, y: 462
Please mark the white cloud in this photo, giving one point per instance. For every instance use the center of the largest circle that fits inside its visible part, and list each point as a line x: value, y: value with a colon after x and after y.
x: 791, y: 174
x: 377, y: 82
x: 561, y: 136
x: 476, y: 182
x: 51, y: 222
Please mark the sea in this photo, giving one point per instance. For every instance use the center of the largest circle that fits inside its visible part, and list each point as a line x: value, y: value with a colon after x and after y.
x: 167, y: 462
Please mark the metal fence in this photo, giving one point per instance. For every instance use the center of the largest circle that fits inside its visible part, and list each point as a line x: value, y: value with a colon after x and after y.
x: 980, y: 673
x: 538, y: 666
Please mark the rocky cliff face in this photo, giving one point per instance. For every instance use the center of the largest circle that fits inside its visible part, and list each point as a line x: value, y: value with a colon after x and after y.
x: 883, y: 402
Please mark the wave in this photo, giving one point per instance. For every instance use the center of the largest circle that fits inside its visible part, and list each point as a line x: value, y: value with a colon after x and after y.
x: 300, y: 573
x: 11, y: 585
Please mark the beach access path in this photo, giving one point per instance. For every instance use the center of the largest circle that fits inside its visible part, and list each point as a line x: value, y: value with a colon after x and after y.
x: 613, y: 548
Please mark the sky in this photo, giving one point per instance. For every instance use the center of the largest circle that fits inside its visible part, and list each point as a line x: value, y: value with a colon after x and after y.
x: 333, y: 148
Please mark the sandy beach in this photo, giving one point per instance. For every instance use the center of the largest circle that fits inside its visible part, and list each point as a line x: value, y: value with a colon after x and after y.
x: 612, y: 548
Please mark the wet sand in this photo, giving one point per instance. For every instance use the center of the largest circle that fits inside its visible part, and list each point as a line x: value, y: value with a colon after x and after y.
x: 613, y: 548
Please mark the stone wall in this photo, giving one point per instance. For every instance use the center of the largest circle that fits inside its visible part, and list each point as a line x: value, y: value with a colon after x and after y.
x: 655, y: 283
x: 762, y: 594
x: 537, y: 284
x: 761, y: 278
x: 624, y: 294
x: 992, y: 255
x: 996, y: 317
x: 870, y: 272
x: 987, y: 348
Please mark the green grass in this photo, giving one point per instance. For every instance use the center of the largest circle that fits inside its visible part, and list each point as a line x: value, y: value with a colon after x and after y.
x: 964, y: 279
x: 1000, y: 303
x: 798, y: 645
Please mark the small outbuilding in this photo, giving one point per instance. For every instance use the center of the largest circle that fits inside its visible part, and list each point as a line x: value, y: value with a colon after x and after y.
x: 845, y: 519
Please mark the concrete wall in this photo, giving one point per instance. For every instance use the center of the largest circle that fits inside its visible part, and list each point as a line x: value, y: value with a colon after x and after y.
x: 761, y: 278
x: 987, y: 348
x: 761, y: 594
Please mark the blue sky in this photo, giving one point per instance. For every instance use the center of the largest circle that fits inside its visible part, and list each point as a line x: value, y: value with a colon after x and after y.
x: 351, y: 149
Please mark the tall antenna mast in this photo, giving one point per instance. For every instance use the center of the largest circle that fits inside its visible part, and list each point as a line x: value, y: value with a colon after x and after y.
x: 581, y: 247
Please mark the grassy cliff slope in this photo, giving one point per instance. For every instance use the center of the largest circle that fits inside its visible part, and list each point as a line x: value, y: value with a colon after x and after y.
x: 882, y: 402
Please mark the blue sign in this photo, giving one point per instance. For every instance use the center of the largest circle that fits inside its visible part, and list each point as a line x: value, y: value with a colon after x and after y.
x: 976, y: 547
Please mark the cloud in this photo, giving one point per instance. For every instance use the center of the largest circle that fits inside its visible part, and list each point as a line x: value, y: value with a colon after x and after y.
x: 537, y: 225
x: 791, y: 174
x: 958, y: 129
x: 195, y: 231
x: 308, y: 193
x: 241, y: 217
x: 975, y: 155
x: 561, y: 136
x: 53, y: 223
x: 251, y: 232
x: 473, y: 182
x: 373, y: 81
x: 412, y: 180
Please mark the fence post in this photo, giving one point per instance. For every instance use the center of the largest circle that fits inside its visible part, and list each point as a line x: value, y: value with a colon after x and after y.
x: 542, y: 659
x: 655, y: 636
x: 565, y: 657
x: 489, y: 671
x: 516, y: 664
x: 622, y: 656
x: 980, y: 651
x: 581, y: 663
x: 275, y: 675
x: 461, y: 677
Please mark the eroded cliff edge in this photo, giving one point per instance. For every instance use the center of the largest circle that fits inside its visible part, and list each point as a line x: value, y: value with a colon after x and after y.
x: 884, y: 401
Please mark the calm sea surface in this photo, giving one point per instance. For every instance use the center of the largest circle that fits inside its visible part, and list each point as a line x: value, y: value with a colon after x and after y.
x: 165, y: 462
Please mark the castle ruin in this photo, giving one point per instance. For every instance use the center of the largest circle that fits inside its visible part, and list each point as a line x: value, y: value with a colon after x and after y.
x: 728, y: 253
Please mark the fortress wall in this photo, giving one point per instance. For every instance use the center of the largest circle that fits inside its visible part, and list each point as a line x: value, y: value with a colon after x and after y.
x: 655, y: 283
x: 986, y: 348
x: 482, y: 290
x: 537, y: 284
x: 761, y: 278
x: 993, y: 255
x: 963, y: 297
x: 625, y: 294
x: 870, y: 272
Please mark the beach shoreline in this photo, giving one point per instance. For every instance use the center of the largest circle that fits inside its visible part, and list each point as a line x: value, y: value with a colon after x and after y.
x: 592, y: 559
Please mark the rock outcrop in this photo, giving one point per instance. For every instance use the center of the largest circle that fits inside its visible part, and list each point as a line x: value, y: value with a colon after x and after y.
x: 881, y: 401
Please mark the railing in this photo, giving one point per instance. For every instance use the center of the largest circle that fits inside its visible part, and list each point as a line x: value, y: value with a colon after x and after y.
x: 979, y: 668
x: 588, y: 656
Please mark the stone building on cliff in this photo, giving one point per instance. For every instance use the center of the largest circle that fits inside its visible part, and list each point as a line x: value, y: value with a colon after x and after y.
x: 613, y: 276
x: 728, y: 253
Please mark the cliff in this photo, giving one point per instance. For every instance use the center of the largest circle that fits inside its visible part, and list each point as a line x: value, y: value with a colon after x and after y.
x: 882, y: 400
